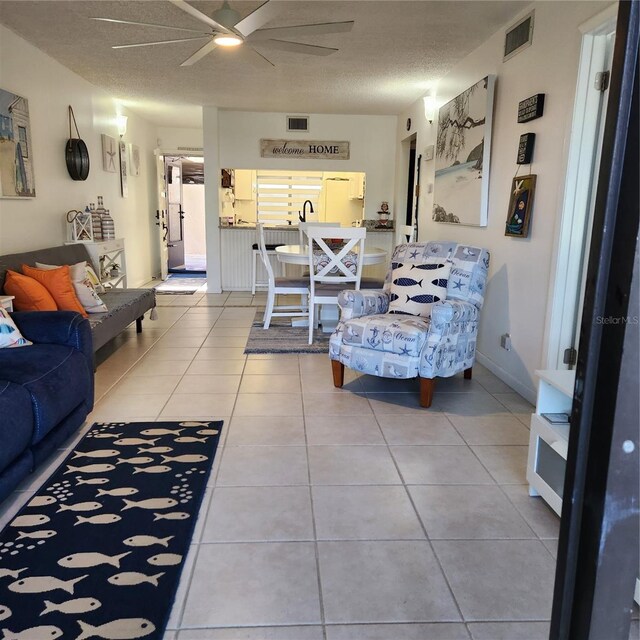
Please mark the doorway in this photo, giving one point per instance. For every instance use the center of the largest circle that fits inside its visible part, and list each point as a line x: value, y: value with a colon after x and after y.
x: 411, y: 182
x: 185, y: 238
x: 579, y: 200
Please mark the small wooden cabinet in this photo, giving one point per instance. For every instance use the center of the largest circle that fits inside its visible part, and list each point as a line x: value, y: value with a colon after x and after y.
x: 106, y: 255
x: 6, y: 302
x: 548, y: 443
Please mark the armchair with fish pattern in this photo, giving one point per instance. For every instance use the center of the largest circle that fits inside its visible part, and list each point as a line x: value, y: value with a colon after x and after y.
x: 371, y: 340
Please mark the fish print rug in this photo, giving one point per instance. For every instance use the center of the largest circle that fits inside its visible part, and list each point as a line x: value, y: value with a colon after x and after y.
x: 98, y: 551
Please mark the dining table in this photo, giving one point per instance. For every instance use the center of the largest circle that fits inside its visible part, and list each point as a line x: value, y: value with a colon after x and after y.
x: 299, y: 255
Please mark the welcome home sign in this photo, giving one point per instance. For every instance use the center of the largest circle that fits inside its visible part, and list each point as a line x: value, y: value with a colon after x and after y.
x: 314, y: 149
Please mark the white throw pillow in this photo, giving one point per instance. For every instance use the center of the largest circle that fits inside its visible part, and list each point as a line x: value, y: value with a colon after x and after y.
x: 87, y: 295
x: 9, y: 334
x: 94, y: 280
x: 416, y: 287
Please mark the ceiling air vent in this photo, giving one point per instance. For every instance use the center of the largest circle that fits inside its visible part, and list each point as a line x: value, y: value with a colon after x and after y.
x: 518, y: 37
x: 297, y: 123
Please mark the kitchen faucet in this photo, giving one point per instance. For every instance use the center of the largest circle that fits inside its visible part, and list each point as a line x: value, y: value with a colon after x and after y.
x: 303, y: 216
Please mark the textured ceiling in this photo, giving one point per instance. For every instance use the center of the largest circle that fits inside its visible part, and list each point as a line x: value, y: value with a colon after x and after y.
x: 395, y: 50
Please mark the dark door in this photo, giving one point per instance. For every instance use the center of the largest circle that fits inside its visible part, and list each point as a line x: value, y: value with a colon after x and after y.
x: 175, y: 237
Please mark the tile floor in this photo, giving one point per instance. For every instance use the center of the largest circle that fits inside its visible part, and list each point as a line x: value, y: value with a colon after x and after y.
x: 337, y: 514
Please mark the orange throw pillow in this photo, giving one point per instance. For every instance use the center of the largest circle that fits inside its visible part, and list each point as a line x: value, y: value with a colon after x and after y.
x: 58, y: 283
x: 29, y: 294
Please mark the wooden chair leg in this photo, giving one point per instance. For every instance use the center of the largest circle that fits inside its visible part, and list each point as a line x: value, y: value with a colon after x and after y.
x: 467, y: 373
x: 338, y: 373
x: 427, y: 385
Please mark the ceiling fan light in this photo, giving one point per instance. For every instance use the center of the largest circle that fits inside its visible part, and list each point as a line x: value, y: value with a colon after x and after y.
x: 227, y: 40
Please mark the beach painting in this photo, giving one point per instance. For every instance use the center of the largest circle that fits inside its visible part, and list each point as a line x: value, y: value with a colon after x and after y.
x: 463, y: 144
x: 16, y: 151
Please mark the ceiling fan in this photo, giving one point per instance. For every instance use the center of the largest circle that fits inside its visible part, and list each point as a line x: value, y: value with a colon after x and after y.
x: 225, y: 29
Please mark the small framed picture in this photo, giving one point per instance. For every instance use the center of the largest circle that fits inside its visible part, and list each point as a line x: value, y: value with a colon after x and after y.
x: 124, y: 189
x: 109, y: 154
x: 520, y: 206
x: 134, y: 159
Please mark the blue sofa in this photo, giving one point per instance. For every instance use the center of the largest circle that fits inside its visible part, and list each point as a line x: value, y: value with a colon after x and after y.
x: 46, y: 390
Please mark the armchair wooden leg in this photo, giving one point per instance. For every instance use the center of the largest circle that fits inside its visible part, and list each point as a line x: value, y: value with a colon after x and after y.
x: 427, y: 385
x: 338, y: 373
x: 467, y: 373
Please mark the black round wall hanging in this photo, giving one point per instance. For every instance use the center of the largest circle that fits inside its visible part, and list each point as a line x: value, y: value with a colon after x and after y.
x: 76, y: 153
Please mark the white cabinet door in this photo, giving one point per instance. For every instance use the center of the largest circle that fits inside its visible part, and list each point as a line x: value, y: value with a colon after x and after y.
x: 244, y: 188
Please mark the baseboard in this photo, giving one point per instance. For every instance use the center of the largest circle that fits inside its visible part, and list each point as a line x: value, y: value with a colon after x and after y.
x: 507, y: 378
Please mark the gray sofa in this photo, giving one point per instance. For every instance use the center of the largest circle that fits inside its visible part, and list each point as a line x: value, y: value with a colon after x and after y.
x: 125, y: 305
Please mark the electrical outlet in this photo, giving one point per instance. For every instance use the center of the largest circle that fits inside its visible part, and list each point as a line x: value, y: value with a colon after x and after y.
x: 505, y: 341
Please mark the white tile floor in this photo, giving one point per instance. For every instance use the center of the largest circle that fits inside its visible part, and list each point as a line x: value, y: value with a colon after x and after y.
x: 332, y: 514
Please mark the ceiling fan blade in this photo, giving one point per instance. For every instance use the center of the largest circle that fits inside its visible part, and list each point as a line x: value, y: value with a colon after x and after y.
x: 264, y: 59
x: 198, y: 15
x: 257, y: 18
x: 149, y: 24
x: 199, y: 54
x: 302, y: 30
x: 298, y: 47
x: 150, y: 44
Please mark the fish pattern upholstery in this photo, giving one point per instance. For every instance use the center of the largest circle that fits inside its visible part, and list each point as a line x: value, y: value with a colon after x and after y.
x: 370, y: 340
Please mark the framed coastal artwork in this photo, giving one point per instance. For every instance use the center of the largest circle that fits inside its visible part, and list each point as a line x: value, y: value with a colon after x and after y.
x: 520, y: 205
x: 463, y: 145
x: 16, y: 152
x: 134, y: 159
x: 124, y: 187
x: 109, y: 154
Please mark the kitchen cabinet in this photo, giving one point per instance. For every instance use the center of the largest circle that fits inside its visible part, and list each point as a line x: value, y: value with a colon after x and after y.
x: 356, y: 186
x: 245, y: 184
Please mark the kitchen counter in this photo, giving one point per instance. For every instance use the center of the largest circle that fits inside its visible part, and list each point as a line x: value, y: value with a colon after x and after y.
x: 285, y: 227
x: 237, y: 253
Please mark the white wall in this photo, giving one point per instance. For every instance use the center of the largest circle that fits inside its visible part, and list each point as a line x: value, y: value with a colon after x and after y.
x: 34, y: 223
x: 176, y: 138
x: 521, y: 269
x: 372, y: 138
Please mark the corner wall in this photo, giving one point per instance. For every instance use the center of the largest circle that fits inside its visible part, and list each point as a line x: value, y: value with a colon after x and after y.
x: 522, y: 270
x: 34, y: 223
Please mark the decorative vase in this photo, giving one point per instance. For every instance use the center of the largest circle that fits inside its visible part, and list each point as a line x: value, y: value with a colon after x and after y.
x: 108, y: 227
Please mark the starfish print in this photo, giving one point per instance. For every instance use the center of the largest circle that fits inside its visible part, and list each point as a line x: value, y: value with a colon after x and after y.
x: 458, y: 284
x: 112, y: 155
x: 413, y: 254
x: 404, y: 351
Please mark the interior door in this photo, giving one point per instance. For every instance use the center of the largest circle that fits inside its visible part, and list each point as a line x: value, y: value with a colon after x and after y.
x: 175, y: 214
x: 161, y: 217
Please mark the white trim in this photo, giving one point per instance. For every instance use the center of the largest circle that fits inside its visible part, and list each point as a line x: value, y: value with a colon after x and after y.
x: 583, y: 150
x: 602, y: 23
x: 526, y: 392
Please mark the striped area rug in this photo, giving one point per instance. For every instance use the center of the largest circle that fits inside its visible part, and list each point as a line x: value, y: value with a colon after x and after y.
x: 281, y: 337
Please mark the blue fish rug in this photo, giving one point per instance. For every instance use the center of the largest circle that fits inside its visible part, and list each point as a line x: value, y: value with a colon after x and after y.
x: 98, y: 551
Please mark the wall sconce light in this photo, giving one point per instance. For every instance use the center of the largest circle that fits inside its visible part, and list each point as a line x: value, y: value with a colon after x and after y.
x: 121, y: 122
x: 429, y: 106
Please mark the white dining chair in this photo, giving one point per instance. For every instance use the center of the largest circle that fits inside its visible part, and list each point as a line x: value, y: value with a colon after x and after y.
x: 267, y: 218
x: 303, y: 226
x: 281, y: 286
x: 332, y: 271
x: 407, y: 233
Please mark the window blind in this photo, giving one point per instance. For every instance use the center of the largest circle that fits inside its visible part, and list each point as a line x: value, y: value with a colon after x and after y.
x: 281, y: 195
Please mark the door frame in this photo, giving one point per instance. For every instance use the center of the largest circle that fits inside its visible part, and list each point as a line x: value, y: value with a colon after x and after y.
x: 580, y: 175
